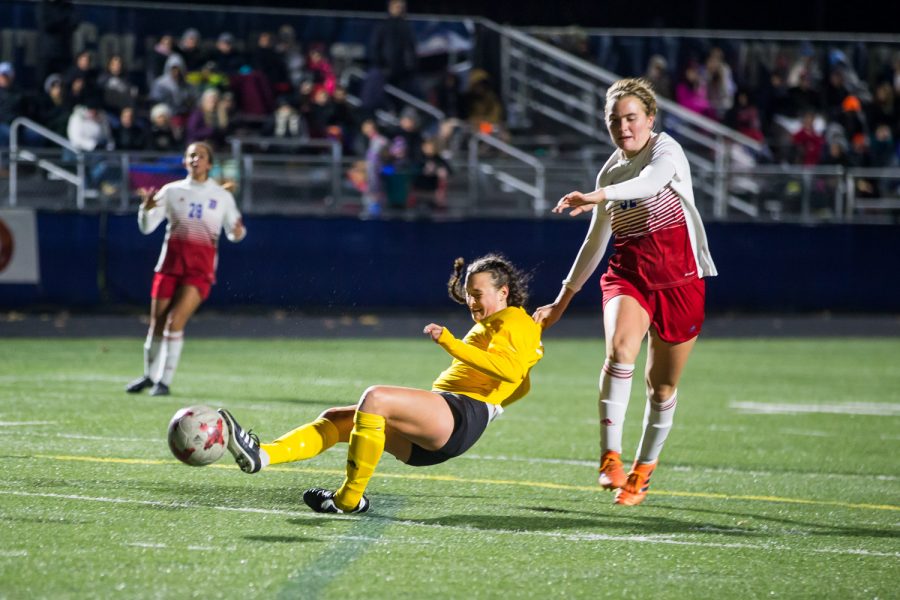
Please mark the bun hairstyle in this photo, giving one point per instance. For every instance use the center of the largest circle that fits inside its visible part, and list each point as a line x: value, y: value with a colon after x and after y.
x: 502, y: 271
x: 638, y: 87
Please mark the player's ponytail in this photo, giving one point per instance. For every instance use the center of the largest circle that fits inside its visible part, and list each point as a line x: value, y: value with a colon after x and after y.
x: 502, y: 271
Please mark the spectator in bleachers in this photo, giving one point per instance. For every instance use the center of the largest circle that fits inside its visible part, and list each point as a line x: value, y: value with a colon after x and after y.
x: 852, y: 119
x: 208, y: 76
x: 484, y: 111
x: 85, y: 70
x: 691, y: 92
x: 804, y: 97
x: 883, y: 147
x: 268, y: 61
x: 191, y: 51
x: 209, y: 122
x: 291, y: 53
x: 320, y: 70
x: 808, y: 143
x: 116, y: 91
x: 343, y: 124
x: 164, y: 135
x: 130, y: 134
x: 285, y: 123
x: 89, y: 130
x: 884, y: 109
x: 53, y: 108
x: 744, y: 117
x: 319, y: 113
x: 228, y: 58
x: 158, y: 55
x: 372, y: 188
x: 12, y: 102
x: 409, y: 129
x: 393, y: 59
x: 172, y: 88
x: 805, y: 67
x: 720, y: 86
x: 432, y: 174
x: 658, y: 75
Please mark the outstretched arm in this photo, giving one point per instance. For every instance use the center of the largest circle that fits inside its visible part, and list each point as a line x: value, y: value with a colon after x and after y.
x: 150, y: 213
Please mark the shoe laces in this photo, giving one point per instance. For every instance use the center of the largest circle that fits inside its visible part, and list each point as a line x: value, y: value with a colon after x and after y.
x: 609, y: 463
x: 250, y: 438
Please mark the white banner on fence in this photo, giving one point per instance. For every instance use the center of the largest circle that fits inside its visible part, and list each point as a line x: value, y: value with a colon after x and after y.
x: 18, y: 247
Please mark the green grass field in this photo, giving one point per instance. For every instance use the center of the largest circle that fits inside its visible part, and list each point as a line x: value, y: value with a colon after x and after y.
x: 780, y: 479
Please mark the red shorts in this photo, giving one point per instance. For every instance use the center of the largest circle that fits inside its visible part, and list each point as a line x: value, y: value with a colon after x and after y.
x: 677, y: 313
x: 164, y: 286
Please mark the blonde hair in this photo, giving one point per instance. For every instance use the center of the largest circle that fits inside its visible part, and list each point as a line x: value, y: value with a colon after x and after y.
x: 638, y: 87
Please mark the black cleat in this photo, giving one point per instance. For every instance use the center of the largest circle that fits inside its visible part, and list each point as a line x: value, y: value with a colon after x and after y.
x: 243, y: 445
x: 322, y: 500
x: 139, y: 385
x: 160, y: 389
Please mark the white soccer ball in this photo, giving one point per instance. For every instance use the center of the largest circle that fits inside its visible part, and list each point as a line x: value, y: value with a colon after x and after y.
x: 198, y: 435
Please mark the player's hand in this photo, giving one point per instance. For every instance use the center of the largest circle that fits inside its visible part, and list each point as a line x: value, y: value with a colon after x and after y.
x: 547, y: 315
x: 239, y: 230
x: 433, y: 330
x: 578, y: 202
x: 148, y: 197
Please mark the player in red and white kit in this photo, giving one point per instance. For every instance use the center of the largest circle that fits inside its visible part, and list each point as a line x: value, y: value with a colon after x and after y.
x: 654, y: 284
x: 197, y: 209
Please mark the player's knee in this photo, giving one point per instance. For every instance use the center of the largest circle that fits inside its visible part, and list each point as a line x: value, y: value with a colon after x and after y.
x: 623, y: 351
x: 659, y: 393
x: 375, y: 400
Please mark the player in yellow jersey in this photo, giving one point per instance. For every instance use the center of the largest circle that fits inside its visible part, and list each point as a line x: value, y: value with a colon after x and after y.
x: 489, y: 371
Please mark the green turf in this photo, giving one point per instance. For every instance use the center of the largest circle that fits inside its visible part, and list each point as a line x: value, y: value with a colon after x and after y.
x: 745, y: 505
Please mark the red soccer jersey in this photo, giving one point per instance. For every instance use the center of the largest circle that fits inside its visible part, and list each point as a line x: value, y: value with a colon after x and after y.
x: 196, y: 212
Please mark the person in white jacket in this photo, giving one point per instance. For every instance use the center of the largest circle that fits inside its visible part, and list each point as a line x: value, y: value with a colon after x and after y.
x: 197, y: 209
x: 654, y: 286
x: 89, y: 130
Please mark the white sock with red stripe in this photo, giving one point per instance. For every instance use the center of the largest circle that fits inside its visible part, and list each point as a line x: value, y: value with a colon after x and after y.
x: 173, y: 341
x: 151, y: 353
x: 658, y: 418
x: 615, y: 389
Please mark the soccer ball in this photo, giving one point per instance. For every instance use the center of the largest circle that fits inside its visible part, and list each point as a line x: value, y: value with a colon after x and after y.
x: 198, y: 435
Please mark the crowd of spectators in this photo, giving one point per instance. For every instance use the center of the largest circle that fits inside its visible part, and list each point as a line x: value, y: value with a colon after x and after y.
x: 271, y: 86
x: 814, y: 109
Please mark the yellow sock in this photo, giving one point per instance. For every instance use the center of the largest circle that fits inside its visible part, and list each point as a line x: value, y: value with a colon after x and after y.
x: 304, y: 442
x: 366, y: 447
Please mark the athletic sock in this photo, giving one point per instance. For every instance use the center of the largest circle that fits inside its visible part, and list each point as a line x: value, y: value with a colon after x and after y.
x: 173, y: 341
x: 615, y: 389
x: 151, y: 353
x: 366, y: 447
x: 658, y: 417
x: 303, y: 442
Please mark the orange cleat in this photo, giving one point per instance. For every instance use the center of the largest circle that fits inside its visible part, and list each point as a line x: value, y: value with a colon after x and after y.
x: 635, y: 489
x: 612, y: 475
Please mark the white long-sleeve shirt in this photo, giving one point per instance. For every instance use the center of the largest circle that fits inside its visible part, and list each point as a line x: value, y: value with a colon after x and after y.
x: 649, y: 194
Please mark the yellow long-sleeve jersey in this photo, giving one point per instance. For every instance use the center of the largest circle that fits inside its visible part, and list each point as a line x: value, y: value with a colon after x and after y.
x: 492, y: 363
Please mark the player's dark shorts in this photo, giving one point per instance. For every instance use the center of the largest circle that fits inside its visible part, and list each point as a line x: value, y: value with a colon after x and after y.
x: 677, y: 313
x: 470, y: 418
x: 164, y: 286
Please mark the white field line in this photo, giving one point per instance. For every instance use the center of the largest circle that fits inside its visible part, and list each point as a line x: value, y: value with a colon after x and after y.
x: 666, y: 539
x: 877, y: 409
x: 677, y: 468
x: 481, y: 457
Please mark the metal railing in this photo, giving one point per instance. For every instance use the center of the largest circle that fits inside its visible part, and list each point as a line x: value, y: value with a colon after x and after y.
x: 247, y: 163
x: 17, y: 154
x: 536, y: 191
